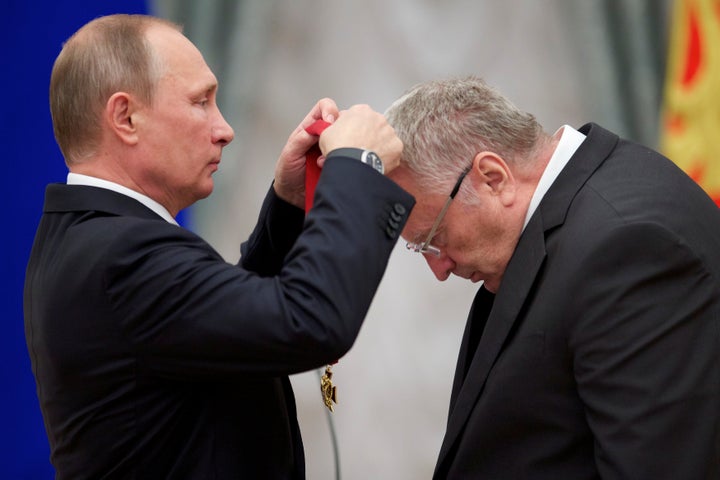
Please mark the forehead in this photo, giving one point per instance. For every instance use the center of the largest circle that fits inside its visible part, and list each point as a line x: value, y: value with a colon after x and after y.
x: 428, y: 204
x: 420, y: 222
x: 180, y: 60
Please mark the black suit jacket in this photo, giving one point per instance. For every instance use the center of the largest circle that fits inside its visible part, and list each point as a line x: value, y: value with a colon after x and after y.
x: 600, y: 357
x: 155, y: 359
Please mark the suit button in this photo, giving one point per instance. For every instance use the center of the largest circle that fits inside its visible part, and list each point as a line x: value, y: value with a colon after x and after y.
x: 391, y: 232
x: 395, y: 216
x: 399, y: 209
x: 395, y: 225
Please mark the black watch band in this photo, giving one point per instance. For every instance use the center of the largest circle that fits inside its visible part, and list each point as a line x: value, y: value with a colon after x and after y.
x: 368, y: 157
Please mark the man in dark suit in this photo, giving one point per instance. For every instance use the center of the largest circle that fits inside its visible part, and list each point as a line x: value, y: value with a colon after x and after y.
x: 592, y: 348
x: 154, y: 358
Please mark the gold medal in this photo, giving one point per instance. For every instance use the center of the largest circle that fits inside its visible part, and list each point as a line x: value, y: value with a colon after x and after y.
x: 329, y: 391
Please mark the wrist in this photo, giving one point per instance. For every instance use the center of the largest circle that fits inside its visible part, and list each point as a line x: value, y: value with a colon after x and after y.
x: 368, y: 157
x: 291, y: 196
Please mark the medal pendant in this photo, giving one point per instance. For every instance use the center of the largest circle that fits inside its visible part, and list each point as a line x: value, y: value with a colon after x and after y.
x: 329, y: 391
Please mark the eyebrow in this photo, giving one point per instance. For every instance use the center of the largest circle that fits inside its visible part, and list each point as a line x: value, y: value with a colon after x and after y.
x: 205, y: 86
x: 209, y: 88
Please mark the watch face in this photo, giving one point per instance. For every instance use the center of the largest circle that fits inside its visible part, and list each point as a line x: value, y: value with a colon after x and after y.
x: 373, y: 160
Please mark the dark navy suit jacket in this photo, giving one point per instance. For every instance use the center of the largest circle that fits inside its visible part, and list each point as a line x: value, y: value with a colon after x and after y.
x: 600, y: 357
x: 156, y: 359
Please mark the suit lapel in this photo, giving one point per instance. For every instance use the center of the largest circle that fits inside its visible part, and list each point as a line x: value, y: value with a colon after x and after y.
x: 523, y: 268
x: 519, y: 278
x: 464, y: 345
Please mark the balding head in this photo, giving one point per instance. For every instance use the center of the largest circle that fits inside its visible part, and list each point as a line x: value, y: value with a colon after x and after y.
x: 108, y: 55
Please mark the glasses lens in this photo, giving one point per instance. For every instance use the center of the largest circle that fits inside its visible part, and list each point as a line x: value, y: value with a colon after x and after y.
x: 418, y: 247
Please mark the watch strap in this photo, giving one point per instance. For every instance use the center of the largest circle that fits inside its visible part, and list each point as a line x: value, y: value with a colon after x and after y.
x: 367, y: 157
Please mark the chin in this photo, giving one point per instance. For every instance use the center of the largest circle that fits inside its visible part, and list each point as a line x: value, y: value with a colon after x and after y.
x: 206, y: 190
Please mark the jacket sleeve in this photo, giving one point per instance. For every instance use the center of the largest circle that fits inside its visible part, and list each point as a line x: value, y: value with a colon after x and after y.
x: 188, y: 313
x: 278, y: 226
x: 645, y: 349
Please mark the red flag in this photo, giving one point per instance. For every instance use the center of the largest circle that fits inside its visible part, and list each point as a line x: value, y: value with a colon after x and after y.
x: 691, y: 110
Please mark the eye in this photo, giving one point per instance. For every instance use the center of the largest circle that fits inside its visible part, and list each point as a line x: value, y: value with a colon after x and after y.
x: 439, y: 239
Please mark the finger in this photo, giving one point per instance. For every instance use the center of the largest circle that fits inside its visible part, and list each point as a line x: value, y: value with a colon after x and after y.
x: 328, y: 110
x: 324, y: 109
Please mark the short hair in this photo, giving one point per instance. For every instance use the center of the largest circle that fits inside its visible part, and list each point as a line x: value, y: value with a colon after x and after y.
x: 443, y: 124
x: 109, y: 54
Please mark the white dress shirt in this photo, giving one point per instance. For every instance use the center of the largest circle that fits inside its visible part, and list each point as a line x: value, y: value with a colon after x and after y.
x: 80, y: 179
x: 569, y: 142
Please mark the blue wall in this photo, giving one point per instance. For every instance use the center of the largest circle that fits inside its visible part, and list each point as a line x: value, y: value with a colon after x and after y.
x: 32, y: 35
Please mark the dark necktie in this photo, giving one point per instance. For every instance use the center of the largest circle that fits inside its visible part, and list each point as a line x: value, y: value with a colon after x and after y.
x: 482, y: 306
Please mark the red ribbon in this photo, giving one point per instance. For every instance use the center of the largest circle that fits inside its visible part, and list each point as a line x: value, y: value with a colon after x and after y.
x: 312, y: 170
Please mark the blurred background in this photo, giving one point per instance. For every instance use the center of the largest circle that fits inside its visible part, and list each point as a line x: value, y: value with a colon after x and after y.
x: 643, y: 68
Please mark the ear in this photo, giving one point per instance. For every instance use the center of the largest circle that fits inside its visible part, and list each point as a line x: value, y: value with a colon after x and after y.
x: 119, y: 111
x: 493, y: 175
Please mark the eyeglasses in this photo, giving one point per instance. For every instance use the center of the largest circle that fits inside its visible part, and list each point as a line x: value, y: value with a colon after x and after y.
x: 425, y: 247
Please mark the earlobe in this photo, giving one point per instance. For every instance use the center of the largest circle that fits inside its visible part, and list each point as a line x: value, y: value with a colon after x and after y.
x: 119, y: 112
x: 494, y: 175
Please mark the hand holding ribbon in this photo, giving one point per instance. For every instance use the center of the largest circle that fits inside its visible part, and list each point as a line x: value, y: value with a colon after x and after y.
x: 312, y: 169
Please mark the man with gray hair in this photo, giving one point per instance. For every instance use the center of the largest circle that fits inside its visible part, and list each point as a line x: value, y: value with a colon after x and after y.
x: 592, y: 347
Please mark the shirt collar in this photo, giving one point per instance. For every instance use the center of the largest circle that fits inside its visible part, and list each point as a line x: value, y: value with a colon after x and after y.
x: 570, y: 141
x: 80, y: 179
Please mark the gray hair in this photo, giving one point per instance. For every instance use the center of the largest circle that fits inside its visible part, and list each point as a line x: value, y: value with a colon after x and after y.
x: 108, y: 55
x: 443, y: 124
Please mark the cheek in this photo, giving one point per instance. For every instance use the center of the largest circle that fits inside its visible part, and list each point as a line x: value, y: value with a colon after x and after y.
x: 458, y: 236
x: 469, y: 248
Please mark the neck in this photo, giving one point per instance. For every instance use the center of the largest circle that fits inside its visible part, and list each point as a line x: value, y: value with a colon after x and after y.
x: 112, y: 172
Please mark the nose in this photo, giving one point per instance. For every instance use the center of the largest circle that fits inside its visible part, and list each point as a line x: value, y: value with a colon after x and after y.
x: 222, y: 133
x: 442, y: 266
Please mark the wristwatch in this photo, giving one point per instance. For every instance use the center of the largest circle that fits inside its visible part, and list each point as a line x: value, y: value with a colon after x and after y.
x: 367, y: 157
x: 370, y: 158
